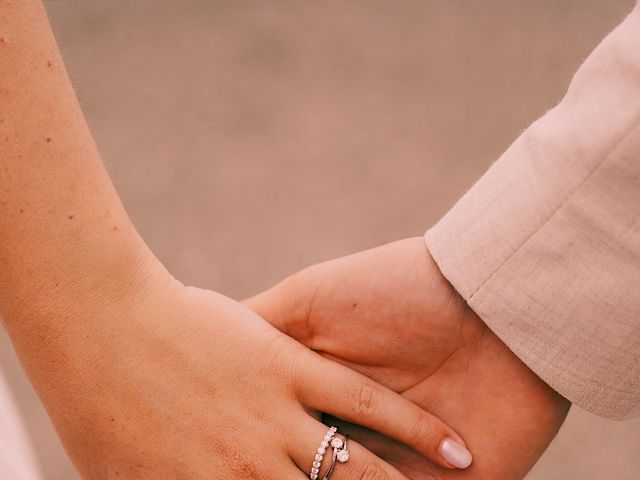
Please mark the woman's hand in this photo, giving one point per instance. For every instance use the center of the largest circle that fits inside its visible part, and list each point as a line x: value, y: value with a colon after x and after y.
x: 390, y: 314
x: 174, y: 382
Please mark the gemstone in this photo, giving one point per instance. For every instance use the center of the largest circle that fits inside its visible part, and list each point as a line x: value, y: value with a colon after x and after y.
x: 342, y: 456
x: 337, y: 443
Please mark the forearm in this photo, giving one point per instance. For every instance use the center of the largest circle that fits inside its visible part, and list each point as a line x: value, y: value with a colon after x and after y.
x: 66, y: 242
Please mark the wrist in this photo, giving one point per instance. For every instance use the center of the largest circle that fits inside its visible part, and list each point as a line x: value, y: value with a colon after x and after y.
x: 89, y: 325
x: 109, y: 271
x: 551, y: 402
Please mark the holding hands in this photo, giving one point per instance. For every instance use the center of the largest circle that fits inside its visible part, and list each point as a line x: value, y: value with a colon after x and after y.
x: 186, y: 383
x: 145, y: 378
x: 390, y: 314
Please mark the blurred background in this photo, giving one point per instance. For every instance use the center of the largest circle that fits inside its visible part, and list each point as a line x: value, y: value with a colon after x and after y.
x: 249, y: 138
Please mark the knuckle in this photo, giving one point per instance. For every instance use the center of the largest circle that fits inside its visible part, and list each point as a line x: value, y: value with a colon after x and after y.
x: 366, y: 399
x: 271, y: 361
x: 421, y: 428
x: 371, y: 471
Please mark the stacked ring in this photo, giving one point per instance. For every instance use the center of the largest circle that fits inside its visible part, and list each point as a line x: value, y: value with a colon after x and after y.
x: 322, y: 449
x: 340, y: 454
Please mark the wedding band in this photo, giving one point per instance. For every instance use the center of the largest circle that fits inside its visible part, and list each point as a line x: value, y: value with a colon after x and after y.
x: 320, y: 453
x: 340, y: 454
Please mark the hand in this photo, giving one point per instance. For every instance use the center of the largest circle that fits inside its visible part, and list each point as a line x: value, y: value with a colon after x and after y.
x: 174, y: 382
x: 390, y: 314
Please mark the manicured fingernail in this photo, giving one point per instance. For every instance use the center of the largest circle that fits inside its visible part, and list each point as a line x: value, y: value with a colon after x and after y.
x: 455, y: 454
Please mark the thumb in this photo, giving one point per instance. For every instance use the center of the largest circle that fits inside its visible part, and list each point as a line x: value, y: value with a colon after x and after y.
x: 287, y: 305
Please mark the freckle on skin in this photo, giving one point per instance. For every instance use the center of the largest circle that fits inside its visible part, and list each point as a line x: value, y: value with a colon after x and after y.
x: 354, y: 304
x: 49, y: 64
x: 71, y: 217
x: 48, y: 140
x: 22, y: 210
x: 115, y: 228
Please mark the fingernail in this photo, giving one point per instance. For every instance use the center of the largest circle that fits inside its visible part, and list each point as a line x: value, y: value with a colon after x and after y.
x: 455, y: 454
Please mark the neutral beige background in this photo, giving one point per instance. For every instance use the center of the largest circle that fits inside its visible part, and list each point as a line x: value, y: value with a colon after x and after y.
x: 251, y: 138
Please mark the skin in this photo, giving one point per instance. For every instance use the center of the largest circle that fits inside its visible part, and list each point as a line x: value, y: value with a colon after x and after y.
x: 390, y: 314
x: 142, y: 376
x: 180, y: 382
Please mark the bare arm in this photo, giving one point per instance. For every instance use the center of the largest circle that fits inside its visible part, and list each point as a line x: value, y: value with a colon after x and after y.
x: 62, y: 223
x: 143, y: 377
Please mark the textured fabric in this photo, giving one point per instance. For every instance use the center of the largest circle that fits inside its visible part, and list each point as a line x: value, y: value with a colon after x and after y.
x: 16, y: 458
x: 545, y: 247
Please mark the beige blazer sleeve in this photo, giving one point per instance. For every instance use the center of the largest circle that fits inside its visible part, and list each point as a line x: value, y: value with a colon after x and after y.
x: 545, y: 247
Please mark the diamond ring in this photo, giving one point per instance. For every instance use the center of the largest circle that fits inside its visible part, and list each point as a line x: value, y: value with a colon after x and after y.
x: 340, y: 454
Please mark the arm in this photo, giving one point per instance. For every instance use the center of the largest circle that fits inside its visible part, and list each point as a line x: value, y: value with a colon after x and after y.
x: 545, y: 246
x: 63, y: 226
x: 142, y: 376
